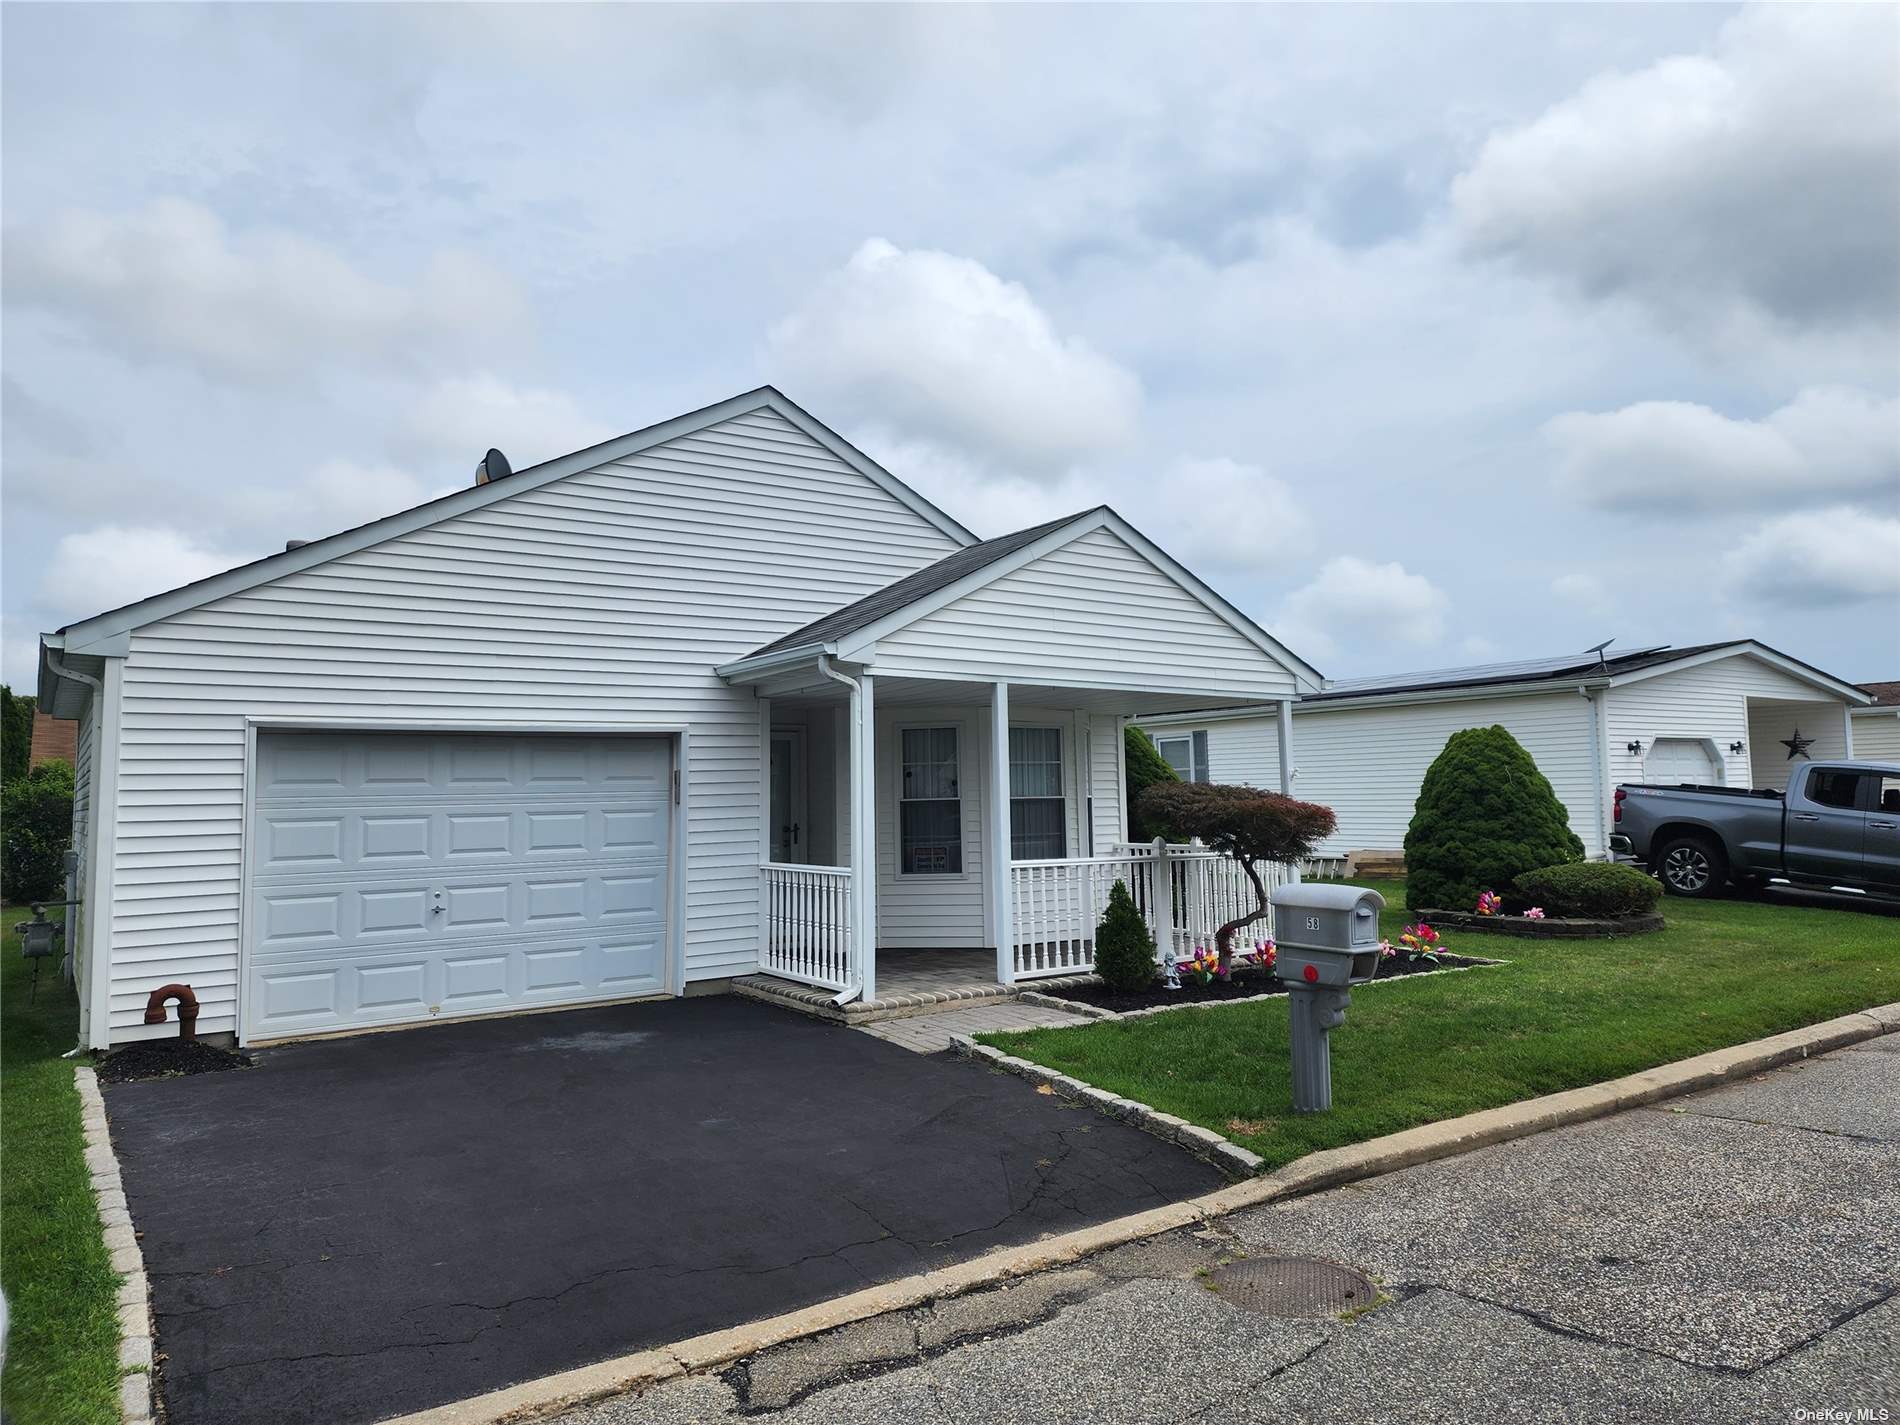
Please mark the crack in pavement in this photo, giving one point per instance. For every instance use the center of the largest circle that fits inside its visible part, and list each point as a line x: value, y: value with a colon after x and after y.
x: 1772, y: 1123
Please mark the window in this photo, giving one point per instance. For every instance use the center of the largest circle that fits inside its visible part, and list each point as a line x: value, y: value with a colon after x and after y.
x: 1038, y: 815
x: 1888, y: 802
x: 1834, y: 789
x: 1187, y: 754
x: 929, y: 811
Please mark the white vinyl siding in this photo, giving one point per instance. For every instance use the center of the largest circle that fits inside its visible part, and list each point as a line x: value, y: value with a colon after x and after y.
x: 1877, y: 736
x: 1094, y: 613
x: 85, y: 767
x: 1367, y: 764
x: 605, y: 598
x: 1718, y: 701
x: 1104, y: 764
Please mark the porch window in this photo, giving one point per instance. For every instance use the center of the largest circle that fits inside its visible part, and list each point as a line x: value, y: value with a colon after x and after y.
x: 1038, y: 814
x: 929, y: 810
x: 1187, y: 754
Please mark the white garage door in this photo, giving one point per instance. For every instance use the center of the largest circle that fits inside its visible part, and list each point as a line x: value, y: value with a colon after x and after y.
x: 1680, y: 759
x: 403, y: 876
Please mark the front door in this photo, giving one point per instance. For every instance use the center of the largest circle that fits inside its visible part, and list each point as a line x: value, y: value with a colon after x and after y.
x: 790, y: 819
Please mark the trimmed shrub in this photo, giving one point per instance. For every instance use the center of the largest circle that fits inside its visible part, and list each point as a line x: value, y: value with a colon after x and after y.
x: 1591, y: 890
x: 1242, y: 822
x: 1124, y: 950
x: 36, y: 826
x: 1485, y: 816
x: 1146, y: 767
x: 16, y: 733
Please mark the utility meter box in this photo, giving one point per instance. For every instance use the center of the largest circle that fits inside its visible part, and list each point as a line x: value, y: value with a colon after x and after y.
x: 1328, y: 934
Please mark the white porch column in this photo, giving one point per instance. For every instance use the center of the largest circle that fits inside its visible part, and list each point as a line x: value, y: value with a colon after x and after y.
x: 864, y: 835
x: 1847, y: 732
x: 996, y: 849
x: 1286, y: 746
x: 765, y: 824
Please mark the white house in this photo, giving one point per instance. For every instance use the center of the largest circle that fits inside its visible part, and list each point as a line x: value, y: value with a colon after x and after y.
x: 1735, y: 714
x: 1877, y: 725
x: 716, y: 697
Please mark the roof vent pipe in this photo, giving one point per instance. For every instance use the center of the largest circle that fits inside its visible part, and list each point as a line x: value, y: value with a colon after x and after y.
x: 493, y: 466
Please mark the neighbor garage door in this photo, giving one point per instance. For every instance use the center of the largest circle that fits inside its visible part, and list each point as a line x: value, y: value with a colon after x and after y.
x: 399, y: 877
x: 1671, y: 760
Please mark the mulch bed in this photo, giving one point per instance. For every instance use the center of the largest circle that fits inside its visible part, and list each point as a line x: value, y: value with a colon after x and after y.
x: 164, y: 1058
x: 1245, y: 984
x: 1549, y: 928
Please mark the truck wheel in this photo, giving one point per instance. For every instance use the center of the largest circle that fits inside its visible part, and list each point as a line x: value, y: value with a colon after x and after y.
x: 1692, y: 866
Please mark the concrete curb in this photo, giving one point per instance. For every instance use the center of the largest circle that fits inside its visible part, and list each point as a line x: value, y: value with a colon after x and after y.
x: 1313, y: 1173
x: 115, y: 1220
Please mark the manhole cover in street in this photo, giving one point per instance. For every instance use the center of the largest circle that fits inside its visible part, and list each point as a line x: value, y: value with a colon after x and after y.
x: 1293, y: 1286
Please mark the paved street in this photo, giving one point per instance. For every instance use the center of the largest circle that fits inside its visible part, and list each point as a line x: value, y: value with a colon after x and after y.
x: 1734, y: 1256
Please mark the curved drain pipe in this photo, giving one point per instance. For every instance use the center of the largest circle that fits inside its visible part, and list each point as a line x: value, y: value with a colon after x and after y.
x: 187, y: 1008
x: 857, y: 822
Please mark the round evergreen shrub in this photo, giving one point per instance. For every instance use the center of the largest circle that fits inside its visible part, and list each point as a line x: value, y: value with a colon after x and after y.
x: 1590, y: 890
x: 1485, y: 816
x: 1146, y: 767
x: 1124, y: 950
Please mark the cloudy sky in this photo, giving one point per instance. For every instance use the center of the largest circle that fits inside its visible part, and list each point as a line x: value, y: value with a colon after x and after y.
x: 1428, y: 335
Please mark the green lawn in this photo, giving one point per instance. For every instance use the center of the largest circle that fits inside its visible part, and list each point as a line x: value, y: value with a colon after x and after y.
x: 1562, y: 1014
x: 62, y: 1353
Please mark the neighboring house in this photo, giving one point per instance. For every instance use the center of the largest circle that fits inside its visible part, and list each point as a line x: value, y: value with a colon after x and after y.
x: 1877, y: 726
x: 558, y: 738
x: 55, y: 739
x: 1718, y: 713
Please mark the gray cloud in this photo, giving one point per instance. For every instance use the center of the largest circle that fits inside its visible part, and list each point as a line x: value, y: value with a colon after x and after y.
x: 1757, y: 184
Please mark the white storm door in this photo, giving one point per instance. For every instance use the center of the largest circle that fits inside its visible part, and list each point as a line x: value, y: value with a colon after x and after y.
x: 399, y: 877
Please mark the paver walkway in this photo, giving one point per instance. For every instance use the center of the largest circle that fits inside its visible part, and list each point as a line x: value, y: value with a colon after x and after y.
x: 1734, y: 1256
x: 930, y: 1033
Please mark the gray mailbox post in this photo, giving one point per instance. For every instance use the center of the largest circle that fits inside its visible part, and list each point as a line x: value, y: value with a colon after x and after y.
x: 1329, y: 940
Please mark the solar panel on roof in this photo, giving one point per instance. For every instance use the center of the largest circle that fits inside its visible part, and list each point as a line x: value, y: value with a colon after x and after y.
x: 1482, y: 672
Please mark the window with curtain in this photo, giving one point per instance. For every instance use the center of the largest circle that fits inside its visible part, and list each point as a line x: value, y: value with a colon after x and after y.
x: 1187, y: 754
x: 929, y: 809
x: 1038, y: 819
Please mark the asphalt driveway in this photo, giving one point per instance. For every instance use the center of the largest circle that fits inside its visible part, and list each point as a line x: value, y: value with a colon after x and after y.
x: 363, y: 1227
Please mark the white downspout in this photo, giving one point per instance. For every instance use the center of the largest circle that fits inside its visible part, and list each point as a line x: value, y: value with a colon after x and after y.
x: 76, y: 883
x: 1599, y: 753
x: 863, y: 851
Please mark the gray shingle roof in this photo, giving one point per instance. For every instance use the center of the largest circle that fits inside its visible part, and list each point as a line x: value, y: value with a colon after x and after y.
x: 1491, y: 675
x: 912, y: 587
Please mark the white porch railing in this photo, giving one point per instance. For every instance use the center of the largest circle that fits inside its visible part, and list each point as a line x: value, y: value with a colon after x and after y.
x: 1186, y: 893
x: 807, y: 924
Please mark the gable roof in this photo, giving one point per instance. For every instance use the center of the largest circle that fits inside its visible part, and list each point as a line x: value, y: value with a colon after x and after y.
x: 1567, y: 668
x: 848, y: 630
x: 912, y: 587
x: 106, y: 632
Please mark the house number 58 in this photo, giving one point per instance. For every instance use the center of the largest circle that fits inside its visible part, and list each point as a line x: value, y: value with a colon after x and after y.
x: 1312, y: 922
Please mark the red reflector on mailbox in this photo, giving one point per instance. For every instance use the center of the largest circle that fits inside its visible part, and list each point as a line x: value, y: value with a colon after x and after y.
x: 1312, y: 973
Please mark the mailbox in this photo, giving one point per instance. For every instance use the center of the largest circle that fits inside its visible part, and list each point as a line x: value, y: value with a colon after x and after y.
x: 1329, y: 941
x: 1328, y: 935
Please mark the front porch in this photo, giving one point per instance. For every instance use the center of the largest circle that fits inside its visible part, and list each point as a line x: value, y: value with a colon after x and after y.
x: 941, y: 768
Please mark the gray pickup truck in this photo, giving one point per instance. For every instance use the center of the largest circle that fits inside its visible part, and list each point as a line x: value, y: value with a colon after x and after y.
x: 1836, y: 827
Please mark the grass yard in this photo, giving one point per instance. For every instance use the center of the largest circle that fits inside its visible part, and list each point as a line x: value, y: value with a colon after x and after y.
x: 63, y: 1347
x: 1562, y: 1014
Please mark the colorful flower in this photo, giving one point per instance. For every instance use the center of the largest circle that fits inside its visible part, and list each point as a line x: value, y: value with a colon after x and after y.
x: 1203, y: 964
x: 1387, y: 949
x: 1536, y: 912
x: 1422, y: 942
x: 1489, y: 903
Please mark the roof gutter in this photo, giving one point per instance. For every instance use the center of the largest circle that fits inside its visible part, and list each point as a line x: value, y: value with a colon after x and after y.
x: 754, y: 667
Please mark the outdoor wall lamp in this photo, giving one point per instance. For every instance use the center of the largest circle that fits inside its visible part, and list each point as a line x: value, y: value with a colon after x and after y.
x: 1635, y: 748
x: 1735, y: 747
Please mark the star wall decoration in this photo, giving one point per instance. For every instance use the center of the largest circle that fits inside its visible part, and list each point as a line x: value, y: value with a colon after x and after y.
x: 1797, y: 745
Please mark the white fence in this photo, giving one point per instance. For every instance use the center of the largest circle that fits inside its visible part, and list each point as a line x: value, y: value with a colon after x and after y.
x: 807, y: 924
x: 1185, y: 893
